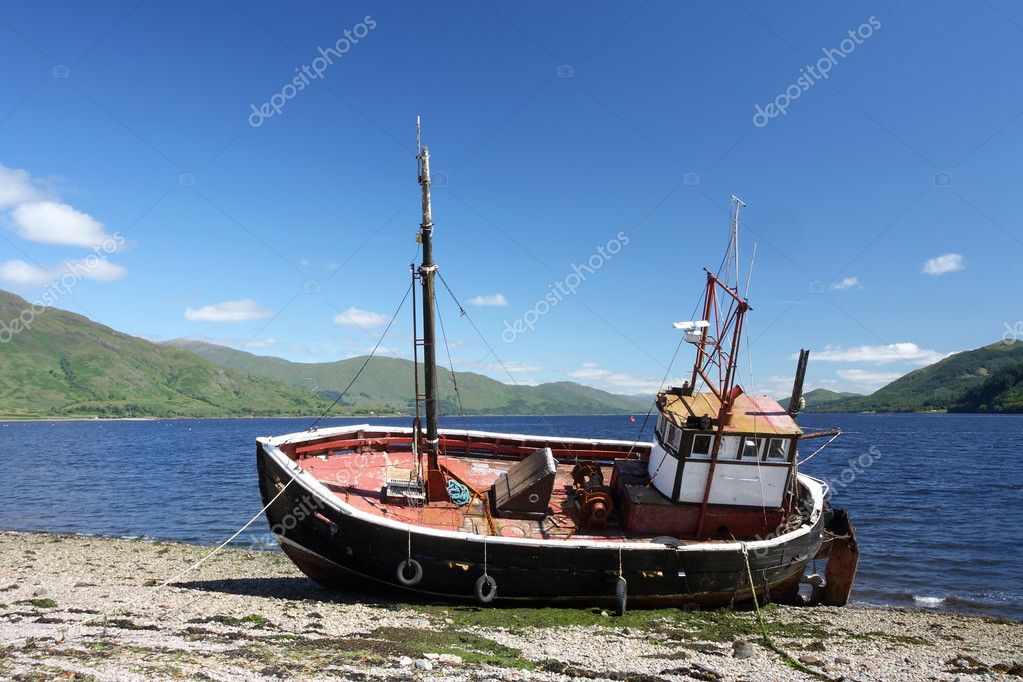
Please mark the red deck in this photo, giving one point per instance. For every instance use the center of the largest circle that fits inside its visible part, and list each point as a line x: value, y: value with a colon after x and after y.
x: 356, y: 467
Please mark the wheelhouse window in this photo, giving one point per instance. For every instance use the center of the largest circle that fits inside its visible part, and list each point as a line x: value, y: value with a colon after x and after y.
x: 777, y: 450
x: 671, y: 437
x: 702, y: 445
x: 750, y: 448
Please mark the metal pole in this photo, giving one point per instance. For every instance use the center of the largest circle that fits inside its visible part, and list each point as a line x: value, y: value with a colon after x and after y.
x: 436, y: 486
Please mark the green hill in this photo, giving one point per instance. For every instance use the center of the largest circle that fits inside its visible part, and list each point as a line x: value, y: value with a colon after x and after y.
x: 386, y: 386
x: 945, y: 385
x: 1001, y: 392
x: 65, y: 365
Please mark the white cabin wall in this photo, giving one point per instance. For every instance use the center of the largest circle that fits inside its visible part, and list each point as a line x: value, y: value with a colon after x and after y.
x: 743, y: 484
x: 661, y: 468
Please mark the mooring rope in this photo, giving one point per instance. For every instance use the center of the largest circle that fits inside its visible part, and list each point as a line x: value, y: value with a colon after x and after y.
x: 226, y: 542
x: 311, y: 426
x: 768, y: 642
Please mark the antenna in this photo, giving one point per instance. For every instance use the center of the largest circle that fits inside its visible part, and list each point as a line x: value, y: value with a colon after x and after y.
x: 749, y: 275
x: 737, y: 203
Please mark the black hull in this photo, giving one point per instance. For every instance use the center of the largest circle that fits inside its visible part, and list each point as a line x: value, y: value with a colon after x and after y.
x: 333, y: 548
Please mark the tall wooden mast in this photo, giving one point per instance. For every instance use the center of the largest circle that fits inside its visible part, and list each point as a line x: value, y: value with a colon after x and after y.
x: 436, y: 487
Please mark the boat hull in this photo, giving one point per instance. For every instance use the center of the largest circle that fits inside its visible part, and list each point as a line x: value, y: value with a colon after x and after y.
x: 337, y: 547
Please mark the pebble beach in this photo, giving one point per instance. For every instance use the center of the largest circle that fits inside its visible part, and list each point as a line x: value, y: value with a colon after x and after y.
x: 85, y: 608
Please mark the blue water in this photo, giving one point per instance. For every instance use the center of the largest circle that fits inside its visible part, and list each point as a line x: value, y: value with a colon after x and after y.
x: 936, y: 499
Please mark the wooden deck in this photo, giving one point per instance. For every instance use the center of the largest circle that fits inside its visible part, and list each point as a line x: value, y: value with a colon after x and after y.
x: 360, y: 479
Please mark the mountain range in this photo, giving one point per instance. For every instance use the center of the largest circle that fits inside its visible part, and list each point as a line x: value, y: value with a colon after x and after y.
x: 54, y: 363
x: 60, y: 364
x: 386, y: 386
x: 987, y: 379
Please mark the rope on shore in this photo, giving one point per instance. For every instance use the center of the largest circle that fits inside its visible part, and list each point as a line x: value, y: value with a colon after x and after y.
x: 768, y: 642
x: 226, y: 542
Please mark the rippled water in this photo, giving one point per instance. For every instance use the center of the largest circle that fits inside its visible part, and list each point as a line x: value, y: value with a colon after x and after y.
x: 935, y: 498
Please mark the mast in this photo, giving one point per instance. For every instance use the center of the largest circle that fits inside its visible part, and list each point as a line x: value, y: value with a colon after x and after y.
x: 721, y: 351
x: 435, y: 484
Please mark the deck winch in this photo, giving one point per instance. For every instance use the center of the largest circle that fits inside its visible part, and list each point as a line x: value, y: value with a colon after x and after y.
x: 591, y: 495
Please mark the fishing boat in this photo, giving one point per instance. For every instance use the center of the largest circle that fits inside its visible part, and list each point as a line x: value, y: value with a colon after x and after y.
x: 713, y: 511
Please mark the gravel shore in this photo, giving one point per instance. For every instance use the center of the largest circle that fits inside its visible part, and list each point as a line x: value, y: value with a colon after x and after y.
x: 94, y: 609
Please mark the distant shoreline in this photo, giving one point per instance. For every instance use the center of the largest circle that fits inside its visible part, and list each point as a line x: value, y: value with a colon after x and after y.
x: 9, y: 419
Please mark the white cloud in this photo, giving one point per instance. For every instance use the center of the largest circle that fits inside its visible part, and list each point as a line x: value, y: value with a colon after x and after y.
x: 950, y: 262
x: 512, y: 367
x: 489, y: 300
x: 260, y: 343
x: 777, y: 386
x: 847, y: 283
x: 356, y: 317
x: 880, y: 355
x: 393, y: 352
x: 51, y: 222
x: 16, y: 187
x: 614, y: 382
x: 18, y: 272
x: 228, y: 311
x: 865, y: 379
x: 304, y: 262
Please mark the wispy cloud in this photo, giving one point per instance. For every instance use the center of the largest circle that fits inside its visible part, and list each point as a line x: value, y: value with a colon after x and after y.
x: 614, y: 382
x: 512, y: 367
x: 489, y: 300
x: 941, y: 265
x: 357, y: 317
x: 260, y: 343
x: 866, y: 380
x: 16, y: 187
x: 880, y: 355
x: 778, y: 386
x: 20, y: 273
x: 847, y: 283
x: 32, y: 208
x: 243, y: 310
x: 51, y: 222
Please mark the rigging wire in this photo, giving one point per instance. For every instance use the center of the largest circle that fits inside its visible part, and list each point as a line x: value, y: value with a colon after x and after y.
x: 830, y: 441
x: 463, y: 313
x: 649, y: 412
x: 368, y: 358
x: 451, y: 365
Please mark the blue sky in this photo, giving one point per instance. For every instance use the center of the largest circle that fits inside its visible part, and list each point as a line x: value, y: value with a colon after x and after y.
x: 883, y: 200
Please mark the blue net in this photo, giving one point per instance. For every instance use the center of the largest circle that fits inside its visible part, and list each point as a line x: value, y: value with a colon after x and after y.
x: 458, y: 493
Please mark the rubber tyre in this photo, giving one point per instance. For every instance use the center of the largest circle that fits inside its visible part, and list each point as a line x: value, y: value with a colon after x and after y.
x: 486, y: 589
x: 417, y: 572
x: 668, y: 540
x: 621, y: 596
